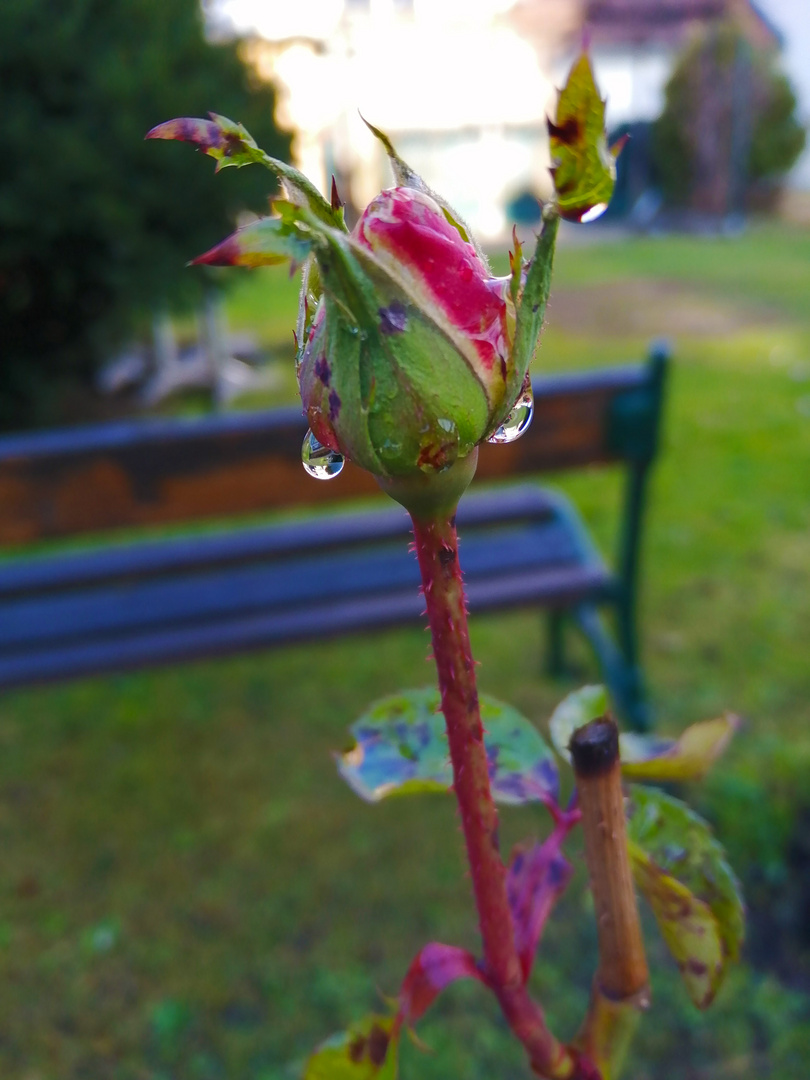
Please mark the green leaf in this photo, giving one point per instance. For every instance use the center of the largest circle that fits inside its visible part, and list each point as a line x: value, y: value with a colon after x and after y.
x: 367, y: 1051
x: 575, y: 711
x: 400, y: 748
x: 689, y: 757
x: 231, y: 144
x: 584, y: 168
x: 681, y: 870
x: 265, y: 242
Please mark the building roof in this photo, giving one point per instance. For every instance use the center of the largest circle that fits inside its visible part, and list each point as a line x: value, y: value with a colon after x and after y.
x: 670, y: 22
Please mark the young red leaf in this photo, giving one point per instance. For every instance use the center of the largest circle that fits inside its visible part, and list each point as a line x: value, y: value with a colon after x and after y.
x: 537, y: 876
x: 434, y: 968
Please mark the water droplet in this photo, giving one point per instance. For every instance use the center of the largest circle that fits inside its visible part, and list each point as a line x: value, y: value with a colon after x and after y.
x: 318, y: 460
x: 594, y: 213
x: 518, y: 420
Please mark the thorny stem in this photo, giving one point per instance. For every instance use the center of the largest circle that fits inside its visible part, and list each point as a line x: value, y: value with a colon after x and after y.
x: 437, y: 551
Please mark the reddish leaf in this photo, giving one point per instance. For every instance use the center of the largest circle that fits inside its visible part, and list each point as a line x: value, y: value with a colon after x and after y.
x: 434, y: 967
x: 537, y: 876
x: 265, y: 242
x: 231, y: 144
x: 222, y: 139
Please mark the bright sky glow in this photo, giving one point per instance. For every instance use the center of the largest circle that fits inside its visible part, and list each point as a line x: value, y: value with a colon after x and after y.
x: 276, y: 20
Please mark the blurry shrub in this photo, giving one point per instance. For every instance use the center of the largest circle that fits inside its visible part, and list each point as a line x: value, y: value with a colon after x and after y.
x: 762, y: 811
x: 729, y: 130
x: 95, y: 224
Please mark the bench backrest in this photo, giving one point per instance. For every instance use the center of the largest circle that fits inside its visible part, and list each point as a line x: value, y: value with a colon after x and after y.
x: 153, y: 472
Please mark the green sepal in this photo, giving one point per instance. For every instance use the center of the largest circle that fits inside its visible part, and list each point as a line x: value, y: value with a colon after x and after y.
x: 366, y: 1051
x: 267, y: 241
x: 399, y: 747
x: 309, y: 296
x: 584, y: 169
x: 405, y: 176
x: 531, y: 309
x: 515, y: 269
x: 682, y: 871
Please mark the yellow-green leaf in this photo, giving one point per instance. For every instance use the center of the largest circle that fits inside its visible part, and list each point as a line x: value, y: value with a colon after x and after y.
x: 688, y: 757
x: 584, y: 167
x: 687, y: 926
x: 366, y: 1051
x: 682, y: 871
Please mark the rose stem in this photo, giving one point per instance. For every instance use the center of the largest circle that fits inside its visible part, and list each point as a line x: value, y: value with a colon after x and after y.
x: 437, y: 551
x: 621, y: 986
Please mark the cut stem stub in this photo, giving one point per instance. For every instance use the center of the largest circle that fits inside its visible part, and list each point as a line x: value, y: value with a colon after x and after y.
x: 622, y: 973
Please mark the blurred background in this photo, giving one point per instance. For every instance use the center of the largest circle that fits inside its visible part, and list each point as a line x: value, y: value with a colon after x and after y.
x: 186, y: 888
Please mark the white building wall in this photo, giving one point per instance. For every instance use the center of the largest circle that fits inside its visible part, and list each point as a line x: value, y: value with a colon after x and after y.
x: 633, y: 82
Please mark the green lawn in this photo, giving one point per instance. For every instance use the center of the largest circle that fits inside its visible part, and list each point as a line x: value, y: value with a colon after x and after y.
x: 188, y: 890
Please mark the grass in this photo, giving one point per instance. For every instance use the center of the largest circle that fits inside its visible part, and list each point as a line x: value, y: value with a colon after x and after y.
x: 188, y: 891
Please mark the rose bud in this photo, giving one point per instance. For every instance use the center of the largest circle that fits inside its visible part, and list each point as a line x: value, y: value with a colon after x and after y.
x: 409, y: 353
x: 405, y: 368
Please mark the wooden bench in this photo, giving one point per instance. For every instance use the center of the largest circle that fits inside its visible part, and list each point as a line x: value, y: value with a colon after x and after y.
x: 130, y: 603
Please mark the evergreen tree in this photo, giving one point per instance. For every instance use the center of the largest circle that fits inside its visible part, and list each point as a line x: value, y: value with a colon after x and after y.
x: 96, y: 225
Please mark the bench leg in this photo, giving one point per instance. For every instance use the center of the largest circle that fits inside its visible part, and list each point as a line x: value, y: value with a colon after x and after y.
x: 624, y: 680
x: 555, y: 654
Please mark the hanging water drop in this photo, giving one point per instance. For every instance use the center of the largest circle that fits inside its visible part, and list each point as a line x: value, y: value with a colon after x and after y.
x: 518, y: 420
x: 594, y: 213
x: 318, y: 460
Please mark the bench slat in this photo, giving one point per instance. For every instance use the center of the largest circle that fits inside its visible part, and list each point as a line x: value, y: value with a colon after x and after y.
x: 50, y: 572
x: 284, y: 583
x: 157, y: 472
x: 556, y: 585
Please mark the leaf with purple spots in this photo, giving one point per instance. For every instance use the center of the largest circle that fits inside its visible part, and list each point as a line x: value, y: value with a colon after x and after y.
x: 400, y: 748
x: 682, y: 871
x: 366, y: 1051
